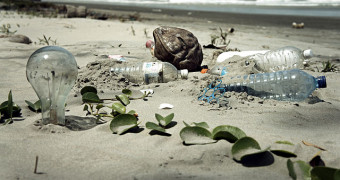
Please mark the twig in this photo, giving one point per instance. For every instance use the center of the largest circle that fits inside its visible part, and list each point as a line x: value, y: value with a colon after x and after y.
x: 36, y: 164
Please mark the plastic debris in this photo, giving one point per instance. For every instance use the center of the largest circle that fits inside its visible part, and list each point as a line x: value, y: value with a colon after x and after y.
x: 165, y: 106
x: 117, y: 57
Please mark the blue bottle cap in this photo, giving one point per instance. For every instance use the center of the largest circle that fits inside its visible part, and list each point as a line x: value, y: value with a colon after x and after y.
x: 321, y: 82
x: 224, y: 71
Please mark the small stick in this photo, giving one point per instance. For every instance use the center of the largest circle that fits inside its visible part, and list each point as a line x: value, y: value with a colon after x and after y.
x: 36, y: 164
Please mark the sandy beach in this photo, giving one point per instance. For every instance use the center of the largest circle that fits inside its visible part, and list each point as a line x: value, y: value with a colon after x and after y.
x: 97, y: 153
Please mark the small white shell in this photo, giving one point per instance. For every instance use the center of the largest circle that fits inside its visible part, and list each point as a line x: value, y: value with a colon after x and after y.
x: 147, y: 91
x: 165, y: 106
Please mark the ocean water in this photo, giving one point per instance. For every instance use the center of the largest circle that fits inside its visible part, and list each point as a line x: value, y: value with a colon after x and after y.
x: 318, y: 8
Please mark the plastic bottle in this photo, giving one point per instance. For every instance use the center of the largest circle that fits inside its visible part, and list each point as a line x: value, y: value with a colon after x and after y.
x: 218, y: 70
x: 151, y: 72
x: 289, y: 85
x: 226, y: 55
x: 281, y: 59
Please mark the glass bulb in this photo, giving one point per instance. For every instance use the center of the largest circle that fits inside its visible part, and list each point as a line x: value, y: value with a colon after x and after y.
x: 52, y: 71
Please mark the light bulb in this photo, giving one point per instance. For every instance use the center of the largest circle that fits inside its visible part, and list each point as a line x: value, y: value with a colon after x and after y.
x: 52, y: 71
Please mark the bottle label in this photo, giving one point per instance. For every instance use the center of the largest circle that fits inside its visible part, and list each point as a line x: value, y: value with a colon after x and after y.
x: 152, y: 72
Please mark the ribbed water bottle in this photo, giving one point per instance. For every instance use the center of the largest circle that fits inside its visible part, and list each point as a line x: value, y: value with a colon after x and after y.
x: 281, y: 59
x: 151, y: 72
x: 289, y: 85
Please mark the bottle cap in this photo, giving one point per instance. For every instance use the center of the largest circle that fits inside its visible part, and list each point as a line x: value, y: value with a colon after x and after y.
x: 184, y: 73
x: 308, y: 53
x: 321, y: 82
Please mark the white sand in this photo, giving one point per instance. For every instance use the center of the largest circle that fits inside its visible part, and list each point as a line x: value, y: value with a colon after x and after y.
x: 98, y: 154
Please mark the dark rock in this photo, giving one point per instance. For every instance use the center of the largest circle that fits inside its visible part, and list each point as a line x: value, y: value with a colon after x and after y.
x: 18, y: 38
x: 178, y: 47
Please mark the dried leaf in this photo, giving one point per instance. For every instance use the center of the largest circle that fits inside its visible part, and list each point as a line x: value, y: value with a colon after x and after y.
x: 310, y: 144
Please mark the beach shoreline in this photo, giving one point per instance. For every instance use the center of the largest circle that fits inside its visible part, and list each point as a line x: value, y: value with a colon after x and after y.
x: 97, y: 153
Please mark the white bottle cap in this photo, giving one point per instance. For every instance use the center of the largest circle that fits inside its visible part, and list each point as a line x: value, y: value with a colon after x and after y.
x: 308, y: 53
x: 184, y: 73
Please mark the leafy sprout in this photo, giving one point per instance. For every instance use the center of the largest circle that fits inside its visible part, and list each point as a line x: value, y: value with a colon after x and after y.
x: 47, y: 41
x: 6, y: 28
x: 163, y: 123
x: 121, y: 119
x: 328, y: 67
x: 9, y: 109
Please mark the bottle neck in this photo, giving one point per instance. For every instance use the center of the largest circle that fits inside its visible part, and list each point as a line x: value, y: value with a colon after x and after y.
x: 183, y: 74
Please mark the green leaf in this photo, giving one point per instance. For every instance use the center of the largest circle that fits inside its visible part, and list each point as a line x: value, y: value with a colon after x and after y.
x: 257, y: 158
x: 132, y: 112
x: 186, y: 124
x: 244, y: 146
x: 4, y: 109
x: 164, y: 121
x: 90, y: 97
x: 122, y: 123
x: 169, y: 118
x: 229, y: 133
x: 99, y: 106
x: 202, y: 124
x: 284, y: 142
x: 120, y: 108
x: 88, y: 89
x: 291, y: 170
x: 160, y: 119
x: 305, y: 168
x: 86, y: 107
x: 337, y: 175
x: 36, y: 106
x: 154, y: 126
x: 283, y: 153
x: 283, y: 149
x: 124, y: 99
x: 196, y: 135
x: 321, y: 173
x: 127, y: 92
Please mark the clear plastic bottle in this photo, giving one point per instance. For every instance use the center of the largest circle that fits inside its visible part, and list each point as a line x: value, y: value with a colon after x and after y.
x: 218, y: 70
x: 281, y: 59
x: 289, y: 85
x: 151, y: 72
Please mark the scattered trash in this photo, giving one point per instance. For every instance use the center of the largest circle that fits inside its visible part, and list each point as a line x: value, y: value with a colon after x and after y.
x: 227, y: 55
x: 211, y: 46
x: 281, y: 59
x: 218, y: 70
x: 165, y: 106
x: 117, y: 57
x: 151, y: 45
x: 298, y: 25
x: 151, y: 72
x: 178, y: 47
x: 231, y: 30
x: 290, y: 85
x: 147, y: 91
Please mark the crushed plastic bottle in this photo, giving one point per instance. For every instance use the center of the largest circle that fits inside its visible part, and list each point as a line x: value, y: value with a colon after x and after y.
x: 281, y: 59
x: 227, y: 55
x: 289, y: 85
x: 151, y: 72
